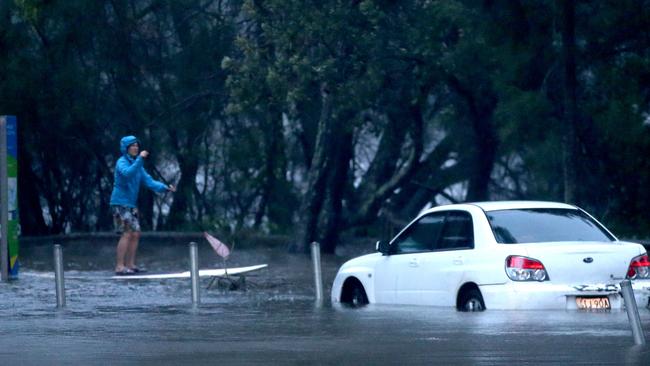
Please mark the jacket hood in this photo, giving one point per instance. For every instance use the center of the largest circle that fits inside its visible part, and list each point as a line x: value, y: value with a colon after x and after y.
x: 126, y: 142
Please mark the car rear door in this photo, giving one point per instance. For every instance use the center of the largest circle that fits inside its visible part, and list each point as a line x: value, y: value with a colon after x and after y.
x: 444, y: 267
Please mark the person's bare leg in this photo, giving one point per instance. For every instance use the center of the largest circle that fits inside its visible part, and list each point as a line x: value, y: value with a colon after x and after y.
x: 132, y: 249
x: 122, y: 247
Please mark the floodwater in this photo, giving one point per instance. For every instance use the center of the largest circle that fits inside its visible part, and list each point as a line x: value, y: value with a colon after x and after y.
x: 274, y: 322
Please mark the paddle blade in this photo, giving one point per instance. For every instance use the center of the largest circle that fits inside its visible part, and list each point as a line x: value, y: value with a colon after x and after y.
x: 219, y: 247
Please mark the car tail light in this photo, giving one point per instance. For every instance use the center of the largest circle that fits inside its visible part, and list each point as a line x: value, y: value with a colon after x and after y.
x: 520, y: 268
x: 639, y: 267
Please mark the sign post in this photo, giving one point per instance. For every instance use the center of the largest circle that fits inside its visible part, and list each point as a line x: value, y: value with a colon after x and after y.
x: 8, y: 198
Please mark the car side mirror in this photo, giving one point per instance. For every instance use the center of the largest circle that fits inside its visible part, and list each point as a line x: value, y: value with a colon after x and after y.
x: 383, y: 247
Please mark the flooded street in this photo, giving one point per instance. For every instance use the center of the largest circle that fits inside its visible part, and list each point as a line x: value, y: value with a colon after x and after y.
x: 275, y: 321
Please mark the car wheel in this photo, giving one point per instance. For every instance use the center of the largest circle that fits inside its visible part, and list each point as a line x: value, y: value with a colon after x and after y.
x: 354, y: 295
x: 358, y: 296
x: 471, y: 300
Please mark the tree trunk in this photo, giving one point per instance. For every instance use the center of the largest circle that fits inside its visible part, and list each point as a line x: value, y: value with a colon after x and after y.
x: 483, y: 158
x: 273, y: 156
x: 181, y: 209
x: 429, y: 181
x: 338, y: 176
x: 383, y: 165
x: 104, y: 215
x: 367, y: 210
x: 312, y: 201
x: 182, y: 206
x: 569, y: 95
x: 483, y: 149
x: 31, y: 213
x: 381, y: 169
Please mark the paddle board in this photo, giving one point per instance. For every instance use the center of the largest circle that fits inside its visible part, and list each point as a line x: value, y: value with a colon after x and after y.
x: 221, y: 272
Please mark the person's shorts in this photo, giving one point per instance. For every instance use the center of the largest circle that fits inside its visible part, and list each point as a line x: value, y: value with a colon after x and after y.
x: 125, y: 219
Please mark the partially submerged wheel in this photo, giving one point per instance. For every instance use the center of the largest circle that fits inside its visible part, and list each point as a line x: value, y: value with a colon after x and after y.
x: 471, y: 300
x: 353, y: 294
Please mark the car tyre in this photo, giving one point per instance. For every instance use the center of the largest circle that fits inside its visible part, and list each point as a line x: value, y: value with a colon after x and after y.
x: 471, y: 300
x: 359, y: 297
x: 354, y: 295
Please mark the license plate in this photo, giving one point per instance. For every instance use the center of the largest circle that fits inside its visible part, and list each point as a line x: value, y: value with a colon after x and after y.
x: 593, y: 303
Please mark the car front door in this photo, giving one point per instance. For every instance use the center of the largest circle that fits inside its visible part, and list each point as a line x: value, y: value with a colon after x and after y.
x: 405, y: 265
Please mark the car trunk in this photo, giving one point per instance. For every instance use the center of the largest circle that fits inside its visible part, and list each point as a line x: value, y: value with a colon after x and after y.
x: 583, y: 262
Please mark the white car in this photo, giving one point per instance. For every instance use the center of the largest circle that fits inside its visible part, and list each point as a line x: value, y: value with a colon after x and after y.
x: 498, y: 255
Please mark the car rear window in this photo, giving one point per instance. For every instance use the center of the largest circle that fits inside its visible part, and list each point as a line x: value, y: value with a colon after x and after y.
x: 545, y: 225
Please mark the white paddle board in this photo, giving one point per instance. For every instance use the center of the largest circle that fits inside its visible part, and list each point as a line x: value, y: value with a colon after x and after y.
x: 221, y: 272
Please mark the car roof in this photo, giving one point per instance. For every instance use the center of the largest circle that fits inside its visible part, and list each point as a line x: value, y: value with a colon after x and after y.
x: 514, y: 205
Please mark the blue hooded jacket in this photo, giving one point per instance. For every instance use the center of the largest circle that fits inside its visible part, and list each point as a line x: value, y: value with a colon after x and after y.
x: 129, y: 175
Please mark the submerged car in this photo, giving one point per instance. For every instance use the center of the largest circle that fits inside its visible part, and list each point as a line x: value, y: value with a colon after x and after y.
x: 498, y: 255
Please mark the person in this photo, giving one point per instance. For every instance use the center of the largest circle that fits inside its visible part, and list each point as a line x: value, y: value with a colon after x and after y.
x: 129, y: 176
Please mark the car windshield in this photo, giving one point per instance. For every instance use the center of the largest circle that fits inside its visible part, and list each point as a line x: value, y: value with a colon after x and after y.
x: 545, y: 225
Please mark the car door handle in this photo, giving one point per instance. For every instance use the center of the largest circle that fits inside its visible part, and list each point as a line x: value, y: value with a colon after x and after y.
x: 413, y: 262
x: 458, y: 261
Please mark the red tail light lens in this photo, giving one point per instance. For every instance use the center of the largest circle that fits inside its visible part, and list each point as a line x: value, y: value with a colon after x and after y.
x: 639, y: 267
x: 520, y: 268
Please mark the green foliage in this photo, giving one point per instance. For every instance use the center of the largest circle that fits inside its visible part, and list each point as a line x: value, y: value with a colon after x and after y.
x: 229, y: 94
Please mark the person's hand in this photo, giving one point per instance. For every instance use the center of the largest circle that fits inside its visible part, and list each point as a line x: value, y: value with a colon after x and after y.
x: 171, y: 188
x: 144, y: 154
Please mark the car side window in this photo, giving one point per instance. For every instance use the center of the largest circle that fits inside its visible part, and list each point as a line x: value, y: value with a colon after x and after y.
x: 458, y: 231
x: 421, y: 235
